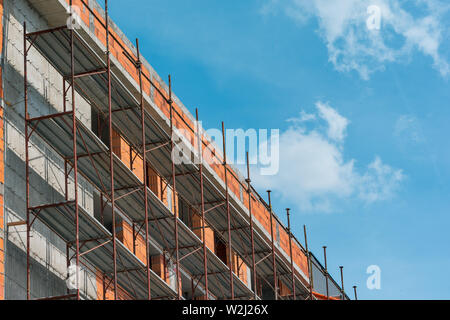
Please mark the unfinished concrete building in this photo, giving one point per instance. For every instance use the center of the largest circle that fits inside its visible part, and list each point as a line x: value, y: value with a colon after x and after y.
x: 93, y: 205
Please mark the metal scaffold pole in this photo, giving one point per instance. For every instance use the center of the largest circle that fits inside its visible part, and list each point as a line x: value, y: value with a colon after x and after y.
x: 294, y: 296
x: 249, y: 190
x: 326, y: 270
x: 27, y: 156
x: 174, y: 204
x: 111, y: 154
x: 75, y: 160
x: 342, y: 282
x: 308, y: 256
x: 145, y: 177
x: 274, y: 265
x: 202, y: 200
x: 227, y: 200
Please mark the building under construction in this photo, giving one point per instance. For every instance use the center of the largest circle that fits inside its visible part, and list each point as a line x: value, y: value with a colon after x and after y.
x: 93, y: 205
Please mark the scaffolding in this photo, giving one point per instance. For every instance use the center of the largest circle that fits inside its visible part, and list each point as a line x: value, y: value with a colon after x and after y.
x: 87, y: 71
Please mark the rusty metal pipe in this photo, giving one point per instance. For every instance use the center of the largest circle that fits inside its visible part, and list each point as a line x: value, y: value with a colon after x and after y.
x: 227, y: 199
x: 342, y: 282
x: 27, y: 157
x: 111, y: 155
x: 274, y: 265
x: 308, y: 255
x: 249, y: 189
x: 326, y: 270
x: 290, y: 253
x: 200, y: 154
x: 174, y: 204
x: 145, y: 182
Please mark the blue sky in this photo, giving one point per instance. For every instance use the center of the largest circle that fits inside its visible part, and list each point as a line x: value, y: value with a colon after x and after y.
x: 363, y: 117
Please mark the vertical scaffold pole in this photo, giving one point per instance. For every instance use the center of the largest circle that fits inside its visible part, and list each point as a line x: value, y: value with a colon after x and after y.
x: 66, y: 172
x: 227, y: 200
x: 342, y: 282
x: 111, y: 155
x: 75, y: 157
x: 202, y: 199
x: 174, y: 204
x: 27, y: 156
x: 326, y: 270
x: 68, y: 262
x: 308, y: 258
x: 356, y: 294
x: 144, y: 163
x: 290, y: 253
x: 274, y: 265
x: 249, y: 190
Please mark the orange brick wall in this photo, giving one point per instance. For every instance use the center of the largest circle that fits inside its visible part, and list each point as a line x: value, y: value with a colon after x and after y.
x: 283, y: 289
x: 134, y: 162
x: 154, y: 182
x: 160, y: 268
x: 137, y: 165
x: 109, y: 294
x: 121, y: 149
x: 209, y: 233
x: 299, y: 258
x: 238, y: 266
x: 83, y: 10
x: 125, y: 235
x: 128, y: 156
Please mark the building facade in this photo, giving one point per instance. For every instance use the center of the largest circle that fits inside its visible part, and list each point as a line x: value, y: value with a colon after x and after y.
x: 106, y: 213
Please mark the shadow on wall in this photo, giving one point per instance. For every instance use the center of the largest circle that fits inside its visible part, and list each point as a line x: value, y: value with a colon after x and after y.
x: 44, y: 282
x: 48, y: 269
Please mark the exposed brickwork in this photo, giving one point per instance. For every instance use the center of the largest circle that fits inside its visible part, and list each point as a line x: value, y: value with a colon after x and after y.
x: 128, y: 156
x: 237, y: 265
x: 134, y: 162
x: 125, y: 234
x: 154, y: 182
x: 240, y: 268
x: 299, y: 258
x: 283, y: 289
x: 105, y: 289
x: 159, y: 266
x: 209, y: 233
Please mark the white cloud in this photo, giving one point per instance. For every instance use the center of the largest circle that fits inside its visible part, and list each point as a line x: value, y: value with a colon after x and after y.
x: 352, y: 46
x: 314, y: 172
x: 379, y: 182
x: 304, y: 117
x: 337, y: 124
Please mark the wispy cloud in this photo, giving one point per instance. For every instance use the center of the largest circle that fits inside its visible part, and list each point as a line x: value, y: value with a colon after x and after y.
x: 314, y: 172
x: 379, y: 182
x: 408, y: 130
x: 337, y: 124
x: 406, y: 27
